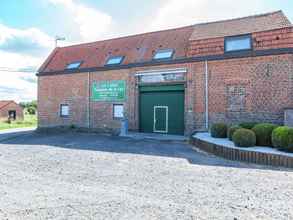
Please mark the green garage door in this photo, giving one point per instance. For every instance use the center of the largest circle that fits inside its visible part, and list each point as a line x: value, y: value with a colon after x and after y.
x: 162, y: 109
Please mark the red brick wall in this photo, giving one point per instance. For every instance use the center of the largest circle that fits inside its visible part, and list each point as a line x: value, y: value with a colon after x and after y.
x: 102, y: 112
x: 68, y: 89
x: 72, y: 89
x: 14, y: 107
x: 267, y: 81
x: 280, y: 38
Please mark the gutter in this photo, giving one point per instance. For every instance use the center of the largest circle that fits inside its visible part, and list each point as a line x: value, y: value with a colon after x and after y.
x: 89, y: 101
x: 206, y: 95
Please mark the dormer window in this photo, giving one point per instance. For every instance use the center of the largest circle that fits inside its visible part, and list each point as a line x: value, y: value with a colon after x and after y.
x: 73, y: 65
x: 238, y: 43
x: 163, y: 54
x: 115, y: 60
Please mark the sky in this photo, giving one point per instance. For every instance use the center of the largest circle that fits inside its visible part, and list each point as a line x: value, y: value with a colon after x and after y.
x: 28, y: 28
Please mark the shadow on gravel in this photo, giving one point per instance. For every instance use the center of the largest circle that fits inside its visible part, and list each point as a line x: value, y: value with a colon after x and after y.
x: 96, y: 142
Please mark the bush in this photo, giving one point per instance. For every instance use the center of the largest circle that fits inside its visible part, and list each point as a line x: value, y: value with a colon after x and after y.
x: 31, y: 110
x: 231, y: 131
x: 244, y: 138
x: 263, y: 133
x: 247, y: 125
x: 219, y: 130
x: 282, y: 138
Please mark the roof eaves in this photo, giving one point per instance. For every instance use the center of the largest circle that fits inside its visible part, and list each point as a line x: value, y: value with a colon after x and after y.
x: 48, y: 60
x: 8, y: 102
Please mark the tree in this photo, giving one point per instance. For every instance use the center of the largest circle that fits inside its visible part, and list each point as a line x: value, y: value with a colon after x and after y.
x: 31, y: 110
x: 30, y: 107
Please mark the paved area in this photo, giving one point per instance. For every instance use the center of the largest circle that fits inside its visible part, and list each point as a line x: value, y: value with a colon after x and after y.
x: 15, y: 132
x: 155, y: 136
x: 86, y: 176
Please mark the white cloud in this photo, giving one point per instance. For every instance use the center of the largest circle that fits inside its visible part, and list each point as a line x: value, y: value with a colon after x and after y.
x: 21, y: 50
x: 174, y: 13
x: 25, y: 41
x: 19, y: 86
x: 92, y: 23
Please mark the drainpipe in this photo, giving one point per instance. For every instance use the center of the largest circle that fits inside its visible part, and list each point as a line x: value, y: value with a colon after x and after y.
x: 89, y: 101
x: 206, y: 96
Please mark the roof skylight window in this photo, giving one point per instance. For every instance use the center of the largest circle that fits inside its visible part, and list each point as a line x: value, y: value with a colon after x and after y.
x: 114, y: 60
x: 164, y: 54
x: 73, y: 65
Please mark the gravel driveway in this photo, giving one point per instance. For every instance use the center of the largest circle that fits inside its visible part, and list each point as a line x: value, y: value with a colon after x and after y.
x: 86, y: 176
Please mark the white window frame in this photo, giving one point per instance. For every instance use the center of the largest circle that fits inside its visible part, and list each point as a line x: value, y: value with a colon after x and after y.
x: 114, y: 111
x: 61, y: 110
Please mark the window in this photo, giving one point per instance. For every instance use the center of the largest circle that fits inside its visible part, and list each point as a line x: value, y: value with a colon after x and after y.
x: 164, y: 77
x: 114, y: 60
x: 118, y: 111
x: 73, y: 65
x: 238, y: 43
x: 236, y: 98
x: 164, y: 54
x: 64, y: 110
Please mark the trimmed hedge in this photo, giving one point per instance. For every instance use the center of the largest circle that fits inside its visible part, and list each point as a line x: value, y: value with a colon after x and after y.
x: 282, y: 138
x: 248, y: 125
x: 231, y: 131
x: 219, y: 130
x: 244, y: 138
x: 263, y: 133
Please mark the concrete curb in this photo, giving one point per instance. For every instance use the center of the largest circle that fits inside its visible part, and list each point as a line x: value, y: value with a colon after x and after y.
x: 243, y: 155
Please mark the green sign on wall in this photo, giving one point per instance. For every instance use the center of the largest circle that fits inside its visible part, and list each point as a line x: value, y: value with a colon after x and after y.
x: 113, y: 90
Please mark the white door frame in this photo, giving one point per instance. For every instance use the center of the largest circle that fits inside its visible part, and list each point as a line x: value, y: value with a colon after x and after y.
x: 154, y: 128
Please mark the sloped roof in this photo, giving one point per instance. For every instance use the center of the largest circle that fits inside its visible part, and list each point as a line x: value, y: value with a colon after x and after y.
x: 137, y: 48
x: 141, y: 47
x: 5, y: 103
x: 238, y: 26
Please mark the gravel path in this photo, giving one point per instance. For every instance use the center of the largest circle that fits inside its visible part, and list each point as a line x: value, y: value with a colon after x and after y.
x: 85, y: 176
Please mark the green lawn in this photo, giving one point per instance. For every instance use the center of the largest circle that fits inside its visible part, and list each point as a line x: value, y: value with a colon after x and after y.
x: 29, y: 121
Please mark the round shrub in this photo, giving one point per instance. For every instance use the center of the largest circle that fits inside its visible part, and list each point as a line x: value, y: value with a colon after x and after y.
x: 282, y: 138
x: 219, y: 130
x: 263, y: 133
x: 247, y: 125
x: 231, y: 131
x: 244, y: 138
x: 290, y: 140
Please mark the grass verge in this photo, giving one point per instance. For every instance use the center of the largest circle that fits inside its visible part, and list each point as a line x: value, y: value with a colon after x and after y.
x: 28, y: 121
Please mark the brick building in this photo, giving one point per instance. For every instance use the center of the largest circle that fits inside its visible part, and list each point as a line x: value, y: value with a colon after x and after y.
x: 10, y: 109
x: 173, y: 81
